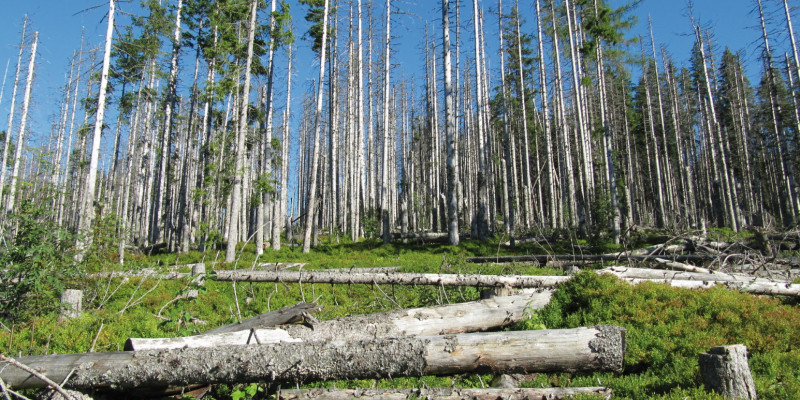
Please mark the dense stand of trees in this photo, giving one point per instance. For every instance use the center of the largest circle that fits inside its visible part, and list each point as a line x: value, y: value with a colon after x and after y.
x: 581, y: 128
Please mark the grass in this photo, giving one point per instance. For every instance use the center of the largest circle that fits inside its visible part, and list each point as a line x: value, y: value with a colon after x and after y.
x: 667, y: 327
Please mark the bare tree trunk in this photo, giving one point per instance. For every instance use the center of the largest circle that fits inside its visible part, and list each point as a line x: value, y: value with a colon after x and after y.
x: 12, y: 111
x: 161, y: 214
x: 26, y: 101
x: 281, y: 207
x: 267, y: 141
x: 311, y: 201
x: 386, y: 222
x: 238, y: 174
x: 450, y: 130
x: 87, y: 210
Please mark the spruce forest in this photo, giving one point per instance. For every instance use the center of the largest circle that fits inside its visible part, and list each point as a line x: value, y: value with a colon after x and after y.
x: 551, y: 133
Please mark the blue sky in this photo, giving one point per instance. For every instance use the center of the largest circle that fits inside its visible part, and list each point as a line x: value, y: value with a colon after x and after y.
x: 60, y: 23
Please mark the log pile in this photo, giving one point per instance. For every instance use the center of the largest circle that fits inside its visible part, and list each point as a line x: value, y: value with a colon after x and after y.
x: 441, y: 340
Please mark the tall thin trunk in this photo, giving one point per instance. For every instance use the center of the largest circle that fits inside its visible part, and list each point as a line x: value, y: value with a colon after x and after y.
x: 569, y: 192
x: 160, y: 215
x: 280, y: 207
x: 87, y: 210
x: 238, y: 175
x: 450, y: 130
x: 551, y: 168
x: 267, y: 145
x: 481, y: 223
x: 312, y: 196
x: 12, y: 111
x: 26, y: 101
x: 385, y: 211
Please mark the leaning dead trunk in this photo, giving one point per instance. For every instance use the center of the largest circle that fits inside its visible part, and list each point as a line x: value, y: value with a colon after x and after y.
x: 449, y: 319
x: 581, y: 349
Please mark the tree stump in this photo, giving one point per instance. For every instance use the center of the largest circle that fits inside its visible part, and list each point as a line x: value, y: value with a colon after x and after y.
x: 725, y: 371
x: 71, y: 301
x: 199, y: 273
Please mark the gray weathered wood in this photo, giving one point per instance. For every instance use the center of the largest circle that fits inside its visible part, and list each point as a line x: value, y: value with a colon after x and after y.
x: 543, y: 258
x: 282, y: 316
x: 429, y: 321
x: 725, y: 370
x: 442, y: 393
x: 691, y: 280
x: 581, y: 349
x: 517, y: 281
x: 71, y: 301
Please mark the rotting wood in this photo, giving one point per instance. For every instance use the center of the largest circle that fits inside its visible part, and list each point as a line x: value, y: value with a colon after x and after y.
x: 518, y: 281
x: 570, y: 350
x: 443, y: 393
x: 428, y: 321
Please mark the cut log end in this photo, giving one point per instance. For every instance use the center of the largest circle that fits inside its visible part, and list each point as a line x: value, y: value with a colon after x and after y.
x: 609, y: 345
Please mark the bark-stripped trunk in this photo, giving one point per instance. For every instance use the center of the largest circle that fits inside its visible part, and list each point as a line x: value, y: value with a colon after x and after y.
x: 87, y: 209
x: 386, y: 222
x: 12, y: 113
x: 311, y: 201
x: 234, y: 229
x: 160, y: 216
x: 450, y: 130
x: 26, y: 101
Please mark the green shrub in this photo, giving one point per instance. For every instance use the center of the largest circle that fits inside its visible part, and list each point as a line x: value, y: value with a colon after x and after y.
x: 669, y: 327
x: 37, y: 259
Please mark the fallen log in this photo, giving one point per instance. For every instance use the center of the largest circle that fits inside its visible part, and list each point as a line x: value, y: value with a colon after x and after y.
x: 775, y: 289
x: 543, y: 258
x: 443, y: 393
x: 472, y: 316
x: 682, y: 266
x: 517, y: 281
x: 565, y: 350
x: 646, y: 273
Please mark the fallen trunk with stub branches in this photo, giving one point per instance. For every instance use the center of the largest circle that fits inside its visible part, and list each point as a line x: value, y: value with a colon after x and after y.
x: 393, y: 278
x: 596, y: 348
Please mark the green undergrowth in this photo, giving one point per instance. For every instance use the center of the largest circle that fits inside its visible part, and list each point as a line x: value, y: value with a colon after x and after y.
x: 667, y: 327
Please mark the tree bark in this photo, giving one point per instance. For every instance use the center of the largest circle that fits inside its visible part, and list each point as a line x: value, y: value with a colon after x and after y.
x: 450, y: 130
x: 518, y: 281
x: 87, y: 209
x: 573, y: 350
x: 443, y: 393
x: 26, y: 101
x: 429, y: 321
x: 725, y: 371
x: 234, y: 229
x: 311, y: 200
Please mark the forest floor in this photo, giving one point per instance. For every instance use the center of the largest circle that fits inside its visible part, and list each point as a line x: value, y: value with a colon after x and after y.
x: 667, y: 327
